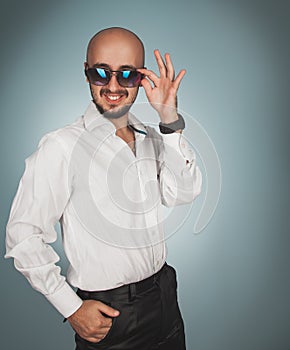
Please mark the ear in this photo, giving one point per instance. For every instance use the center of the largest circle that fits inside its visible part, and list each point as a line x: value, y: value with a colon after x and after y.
x: 86, y: 65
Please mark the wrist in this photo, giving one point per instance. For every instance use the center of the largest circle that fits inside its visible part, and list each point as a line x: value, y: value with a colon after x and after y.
x: 168, y: 118
x: 176, y: 126
x: 72, y: 316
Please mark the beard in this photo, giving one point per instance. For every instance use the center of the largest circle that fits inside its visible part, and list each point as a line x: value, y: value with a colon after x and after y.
x: 115, y: 112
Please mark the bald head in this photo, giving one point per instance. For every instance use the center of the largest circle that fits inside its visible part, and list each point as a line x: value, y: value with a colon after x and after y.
x: 117, y: 45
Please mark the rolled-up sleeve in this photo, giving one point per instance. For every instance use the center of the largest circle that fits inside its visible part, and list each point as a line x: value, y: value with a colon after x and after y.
x: 179, y: 176
x: 41, y: 197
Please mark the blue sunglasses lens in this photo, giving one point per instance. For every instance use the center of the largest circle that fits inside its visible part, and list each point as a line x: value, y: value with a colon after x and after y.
x: 102, y: 73
x: 125, y: 74
x: 98, y: 76
x: 129, y: 78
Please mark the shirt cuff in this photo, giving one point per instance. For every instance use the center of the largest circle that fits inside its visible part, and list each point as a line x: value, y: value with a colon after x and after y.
x: 178, y: 142
x: 65, y: 300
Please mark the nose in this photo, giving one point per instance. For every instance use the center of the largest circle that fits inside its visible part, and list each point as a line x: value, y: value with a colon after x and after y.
x: 113, y: 84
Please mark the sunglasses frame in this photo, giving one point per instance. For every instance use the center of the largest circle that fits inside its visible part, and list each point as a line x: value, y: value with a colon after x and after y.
x: 111, y: 72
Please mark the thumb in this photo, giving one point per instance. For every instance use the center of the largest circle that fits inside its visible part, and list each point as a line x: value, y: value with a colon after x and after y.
x: 108, y: 310
x: 147, y: 87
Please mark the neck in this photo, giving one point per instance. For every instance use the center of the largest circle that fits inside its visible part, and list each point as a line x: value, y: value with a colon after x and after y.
x: 121, y: 124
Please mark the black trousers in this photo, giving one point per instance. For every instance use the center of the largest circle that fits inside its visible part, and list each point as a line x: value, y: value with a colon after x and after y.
x: 149, y: 318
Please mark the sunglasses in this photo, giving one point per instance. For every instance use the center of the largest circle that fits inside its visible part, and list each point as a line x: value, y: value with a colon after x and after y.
x: 127, y: 78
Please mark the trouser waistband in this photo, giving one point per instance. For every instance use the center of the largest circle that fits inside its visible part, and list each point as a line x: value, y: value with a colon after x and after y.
x: 127, y: 290
x: 131, y: 289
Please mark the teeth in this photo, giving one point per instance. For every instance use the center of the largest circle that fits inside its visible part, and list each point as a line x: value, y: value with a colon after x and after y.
x: 113, y: 98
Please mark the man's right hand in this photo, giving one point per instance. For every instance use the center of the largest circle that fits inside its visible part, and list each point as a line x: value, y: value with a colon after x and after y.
x: 93, y: 320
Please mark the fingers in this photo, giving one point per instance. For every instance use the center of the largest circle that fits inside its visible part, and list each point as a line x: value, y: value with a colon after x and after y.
x: 104, y: 324
x: 166, y: 70
x: 147, y: 87
x: 108, y: 310
x: 160, y: 63
x: 170, y: 69
x: 178, y: 79
x: 102, y: 332
x: 150, y: 74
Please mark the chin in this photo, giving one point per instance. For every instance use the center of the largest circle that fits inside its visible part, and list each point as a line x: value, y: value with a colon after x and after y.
x: 114, y: 113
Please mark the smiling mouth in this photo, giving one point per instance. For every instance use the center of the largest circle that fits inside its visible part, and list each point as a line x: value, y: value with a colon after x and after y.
x: 113, y: 98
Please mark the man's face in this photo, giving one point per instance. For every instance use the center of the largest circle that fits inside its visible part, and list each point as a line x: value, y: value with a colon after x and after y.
x: 113, y: 100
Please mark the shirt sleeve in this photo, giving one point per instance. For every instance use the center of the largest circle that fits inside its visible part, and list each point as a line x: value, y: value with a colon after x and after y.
x: 41, y: 197
x: 179, y: 176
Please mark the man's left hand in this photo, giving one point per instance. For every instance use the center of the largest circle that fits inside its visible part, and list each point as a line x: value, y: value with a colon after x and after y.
x: 163, y: 95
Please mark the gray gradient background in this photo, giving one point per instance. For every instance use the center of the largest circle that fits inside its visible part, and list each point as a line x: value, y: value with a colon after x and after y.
x: 234, y: 283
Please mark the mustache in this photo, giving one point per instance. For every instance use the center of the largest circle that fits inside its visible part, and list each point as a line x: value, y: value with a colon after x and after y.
x: 117, y: 92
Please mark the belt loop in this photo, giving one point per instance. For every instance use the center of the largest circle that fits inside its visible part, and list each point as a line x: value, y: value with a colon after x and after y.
x: 132, y: 291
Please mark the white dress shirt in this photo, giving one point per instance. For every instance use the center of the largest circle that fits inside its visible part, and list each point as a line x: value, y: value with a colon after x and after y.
x: 108, y: 201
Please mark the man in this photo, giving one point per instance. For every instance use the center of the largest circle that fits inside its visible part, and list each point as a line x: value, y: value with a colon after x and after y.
x: 105, y: 177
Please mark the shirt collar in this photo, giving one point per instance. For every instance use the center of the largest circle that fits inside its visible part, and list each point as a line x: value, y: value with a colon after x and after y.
x: 94, y: 119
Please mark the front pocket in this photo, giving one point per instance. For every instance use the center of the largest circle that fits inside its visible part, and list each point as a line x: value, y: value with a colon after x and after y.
x: 125, y: 323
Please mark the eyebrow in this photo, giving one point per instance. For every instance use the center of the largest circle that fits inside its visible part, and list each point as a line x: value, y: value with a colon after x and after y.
x: 105, y: 65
